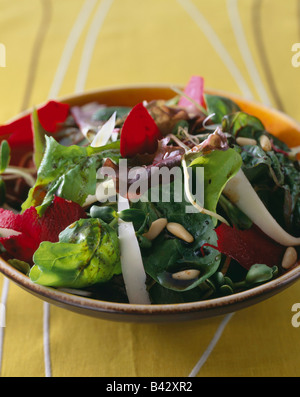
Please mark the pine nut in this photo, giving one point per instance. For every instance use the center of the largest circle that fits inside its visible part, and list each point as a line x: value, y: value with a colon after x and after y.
x: 245, y: 141
x: 179, y: 231
x: 186, y: 274
x: 265, y: 143
x: 156, y: 228
x: 289, y: 258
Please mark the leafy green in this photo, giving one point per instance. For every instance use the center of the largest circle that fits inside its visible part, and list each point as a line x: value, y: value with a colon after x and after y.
x: 214, y: 181
x: 103, y: 114
x: 236, y: 217
x: 168, y: 255
x: 243, y: 125
x: 260, y: 273
x: 274, y: 174
x: 87, y: 253
x: 68, y: 172
x: 106, y: 213
x: 22, y: 266
x: 39, y: 134
x: 4, y: 162
x: 162, y: 295
x: 215, y: 286
x: 220, y: 106
x: 276, y: 178
x: 4, y: 156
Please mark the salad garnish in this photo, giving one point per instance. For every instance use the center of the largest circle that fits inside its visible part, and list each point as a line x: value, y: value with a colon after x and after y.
x: 167, y: 201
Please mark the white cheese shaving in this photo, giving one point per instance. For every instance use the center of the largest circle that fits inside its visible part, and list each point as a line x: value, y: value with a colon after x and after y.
x: 131, y: 260
x: 105, y: 132
x: 240, y: 192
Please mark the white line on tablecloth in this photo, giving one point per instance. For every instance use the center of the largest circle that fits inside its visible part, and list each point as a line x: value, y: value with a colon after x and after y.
x: 4, y: 294
x: 221, y: 50
x: 70, y: 45
x: 211, y: 345
x: 46, y: 339
x: 69, y: 48
x: 90, y: 41
x: 237, y: 27
x: 73, y: 38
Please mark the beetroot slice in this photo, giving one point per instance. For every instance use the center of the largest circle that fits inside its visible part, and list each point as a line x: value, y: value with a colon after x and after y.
x: 19, y: 132
x: 249, y: 247
x: 34, y: 229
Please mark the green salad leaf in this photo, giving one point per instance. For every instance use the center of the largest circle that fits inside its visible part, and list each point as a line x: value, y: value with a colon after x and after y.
x: 242, y: 124
x: 220, y: 106
x: 168, y: 255
x: 4, y: 162
x: 236, y: 217
x: 4, y: 156
x: 68, y: 172
x: 87, y: 253
x: 103, y: 114
x: 229, y: 161
x: 39, y: 134
x: 276, y: 179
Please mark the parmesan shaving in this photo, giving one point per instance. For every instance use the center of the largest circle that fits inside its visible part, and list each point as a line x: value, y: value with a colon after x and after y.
x: 131, y: 260
x: 105, y: 132
x: 240, y: 192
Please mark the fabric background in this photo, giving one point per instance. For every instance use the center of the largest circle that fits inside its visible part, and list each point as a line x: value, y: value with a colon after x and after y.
x: 59, y: 47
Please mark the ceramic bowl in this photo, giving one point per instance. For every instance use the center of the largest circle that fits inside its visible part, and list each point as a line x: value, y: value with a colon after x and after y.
x: 276, y: 122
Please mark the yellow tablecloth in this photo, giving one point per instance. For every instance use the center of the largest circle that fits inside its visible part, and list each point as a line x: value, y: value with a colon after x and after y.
x: 57, y: 47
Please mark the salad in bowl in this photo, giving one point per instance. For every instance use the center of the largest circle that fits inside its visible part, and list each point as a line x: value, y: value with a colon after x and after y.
x: 166, y: 201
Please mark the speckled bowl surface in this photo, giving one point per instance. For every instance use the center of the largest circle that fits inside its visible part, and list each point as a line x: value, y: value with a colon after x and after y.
x: 276, y: 122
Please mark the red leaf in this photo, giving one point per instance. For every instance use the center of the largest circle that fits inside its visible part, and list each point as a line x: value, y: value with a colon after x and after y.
x: 19, y: 132
x: 249, y: 247
x: 139, y: 133
x: 34, y: 229
x: 194, y: 90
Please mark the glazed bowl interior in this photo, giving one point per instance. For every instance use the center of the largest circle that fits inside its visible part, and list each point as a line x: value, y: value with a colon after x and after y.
x: 274, y: 121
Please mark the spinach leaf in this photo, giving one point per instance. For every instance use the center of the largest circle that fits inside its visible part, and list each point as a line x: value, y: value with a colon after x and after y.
x: 161, y: 295
x: 67, y: 172
x: 87, y: 253
x: 257, y: 164
x: 242, y: 124
x: 105, y: 112
x: 236, y: 217
x: 168, y: 254
x: 220, y: 106
x: 276, y: 178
